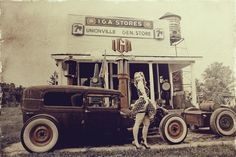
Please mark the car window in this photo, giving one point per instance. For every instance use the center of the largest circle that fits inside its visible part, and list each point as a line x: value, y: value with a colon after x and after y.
x: 77, y: 100
x: 104, y: 101
x: 63, y: 99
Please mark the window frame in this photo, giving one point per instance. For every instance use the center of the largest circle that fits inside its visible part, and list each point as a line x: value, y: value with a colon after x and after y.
x: 64, y: 105
x: 112, y: 96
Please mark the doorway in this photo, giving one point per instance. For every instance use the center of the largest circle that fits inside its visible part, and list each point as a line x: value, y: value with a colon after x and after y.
x: 137, y: 67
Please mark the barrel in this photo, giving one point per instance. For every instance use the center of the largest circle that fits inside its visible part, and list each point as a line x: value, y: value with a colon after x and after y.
x: 208, y: 106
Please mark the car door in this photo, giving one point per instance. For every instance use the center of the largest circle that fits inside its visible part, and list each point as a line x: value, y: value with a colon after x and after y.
x: 66, y: 106
x: 102, y: 111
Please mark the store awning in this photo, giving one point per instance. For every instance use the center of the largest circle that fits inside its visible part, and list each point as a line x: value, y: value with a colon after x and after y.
x: 176, y: 62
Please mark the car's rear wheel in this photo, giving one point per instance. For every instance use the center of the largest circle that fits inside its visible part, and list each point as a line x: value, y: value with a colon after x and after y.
x: 39, y: 134
x: 223, y: 122
x: 173, y: 129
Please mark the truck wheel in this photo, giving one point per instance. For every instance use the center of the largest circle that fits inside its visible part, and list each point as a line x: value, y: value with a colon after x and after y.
x: 173, y: 129
x: 39, y: 134
x: 223, y: 122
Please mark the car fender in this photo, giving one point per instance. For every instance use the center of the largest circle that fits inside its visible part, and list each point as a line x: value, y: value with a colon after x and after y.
x: 45, y: 115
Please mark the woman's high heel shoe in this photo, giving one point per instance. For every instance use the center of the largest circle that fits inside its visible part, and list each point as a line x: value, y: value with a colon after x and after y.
x: 136, y: 146
x: 145, y: 145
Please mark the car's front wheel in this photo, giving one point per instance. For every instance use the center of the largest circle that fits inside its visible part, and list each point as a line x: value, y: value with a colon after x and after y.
x: 173, y: 129
x: 39, y: 134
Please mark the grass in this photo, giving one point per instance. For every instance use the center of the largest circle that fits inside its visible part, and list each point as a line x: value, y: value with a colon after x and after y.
x: 10, y: 125
x: 216, y: 151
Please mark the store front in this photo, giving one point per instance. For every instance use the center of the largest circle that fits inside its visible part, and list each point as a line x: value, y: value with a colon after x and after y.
x: 99, y: 42
x: 156, y: 71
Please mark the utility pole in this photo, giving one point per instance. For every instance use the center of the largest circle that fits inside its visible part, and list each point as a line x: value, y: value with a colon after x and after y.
x: 0, y: 48
x: 175, y: 45
x: 1, y: 92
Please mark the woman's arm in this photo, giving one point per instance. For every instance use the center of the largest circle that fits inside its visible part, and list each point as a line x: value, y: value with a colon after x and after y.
x: 141, y: 87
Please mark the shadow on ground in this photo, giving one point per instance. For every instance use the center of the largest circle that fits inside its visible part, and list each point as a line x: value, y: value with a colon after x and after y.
x: 93, y: 139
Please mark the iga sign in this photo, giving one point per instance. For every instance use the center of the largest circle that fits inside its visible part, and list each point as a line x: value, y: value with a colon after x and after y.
x: 117, y: 27
x: 121, y: 45
x: 118, y: 22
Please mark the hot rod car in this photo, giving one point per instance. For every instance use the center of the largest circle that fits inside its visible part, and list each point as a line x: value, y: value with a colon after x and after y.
x: 50, y: 110
x: 220, y: 118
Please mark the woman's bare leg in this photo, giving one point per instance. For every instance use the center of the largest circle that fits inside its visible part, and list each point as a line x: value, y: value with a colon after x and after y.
x: 146, y: 124
x: 138, y: 120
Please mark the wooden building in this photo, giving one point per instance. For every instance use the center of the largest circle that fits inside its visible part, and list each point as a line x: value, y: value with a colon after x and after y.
x: 147, y: 45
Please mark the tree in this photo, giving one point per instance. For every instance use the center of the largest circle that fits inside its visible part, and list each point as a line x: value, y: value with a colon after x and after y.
x: 218, y: 80
x: 199, y: 86
x: 53, y: 79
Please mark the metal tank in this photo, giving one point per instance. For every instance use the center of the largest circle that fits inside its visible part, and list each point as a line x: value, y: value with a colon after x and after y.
x: 174, y: 26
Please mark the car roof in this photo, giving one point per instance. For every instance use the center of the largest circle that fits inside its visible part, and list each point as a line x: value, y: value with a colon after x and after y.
x: 39, y: 90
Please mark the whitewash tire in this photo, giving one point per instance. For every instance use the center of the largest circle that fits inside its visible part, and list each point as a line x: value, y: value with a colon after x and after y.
x: 173, y: 129
x: 40, y: 134
x: 223, y: 122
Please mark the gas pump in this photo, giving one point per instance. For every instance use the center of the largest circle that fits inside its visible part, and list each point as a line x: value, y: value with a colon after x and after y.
x: 122, y: 46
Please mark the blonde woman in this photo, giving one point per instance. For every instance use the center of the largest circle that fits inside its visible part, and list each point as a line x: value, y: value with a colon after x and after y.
x: 143, y: 110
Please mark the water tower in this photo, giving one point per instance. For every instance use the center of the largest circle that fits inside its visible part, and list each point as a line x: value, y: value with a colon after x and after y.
x: 174, y: 25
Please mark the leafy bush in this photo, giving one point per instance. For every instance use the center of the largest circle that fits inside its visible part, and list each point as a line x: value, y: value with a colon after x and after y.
x: 11, y: 95
x: 53, y: 79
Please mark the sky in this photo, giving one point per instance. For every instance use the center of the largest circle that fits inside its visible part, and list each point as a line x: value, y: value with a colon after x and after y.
x: 208, y: 26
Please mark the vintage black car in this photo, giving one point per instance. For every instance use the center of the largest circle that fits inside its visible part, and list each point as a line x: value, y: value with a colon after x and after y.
x: 50, y: 110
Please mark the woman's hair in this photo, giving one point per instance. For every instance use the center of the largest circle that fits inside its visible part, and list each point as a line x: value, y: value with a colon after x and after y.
x: 143, y: 78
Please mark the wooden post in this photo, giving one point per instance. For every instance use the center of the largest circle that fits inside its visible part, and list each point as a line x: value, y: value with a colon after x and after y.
x: 61, y: 78
x: 194, y: 93
x: 70, y: 81
x: 111, y: 76
x: 171, y: 86
x: 123, y: 82
x: 1, y: 94
x: 123, y: 87
x: 152, y: 92
x: 158, y: 82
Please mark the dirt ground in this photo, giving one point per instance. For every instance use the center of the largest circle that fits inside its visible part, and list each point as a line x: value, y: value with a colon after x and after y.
x: 196, y: 144
x: 200, y: 143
